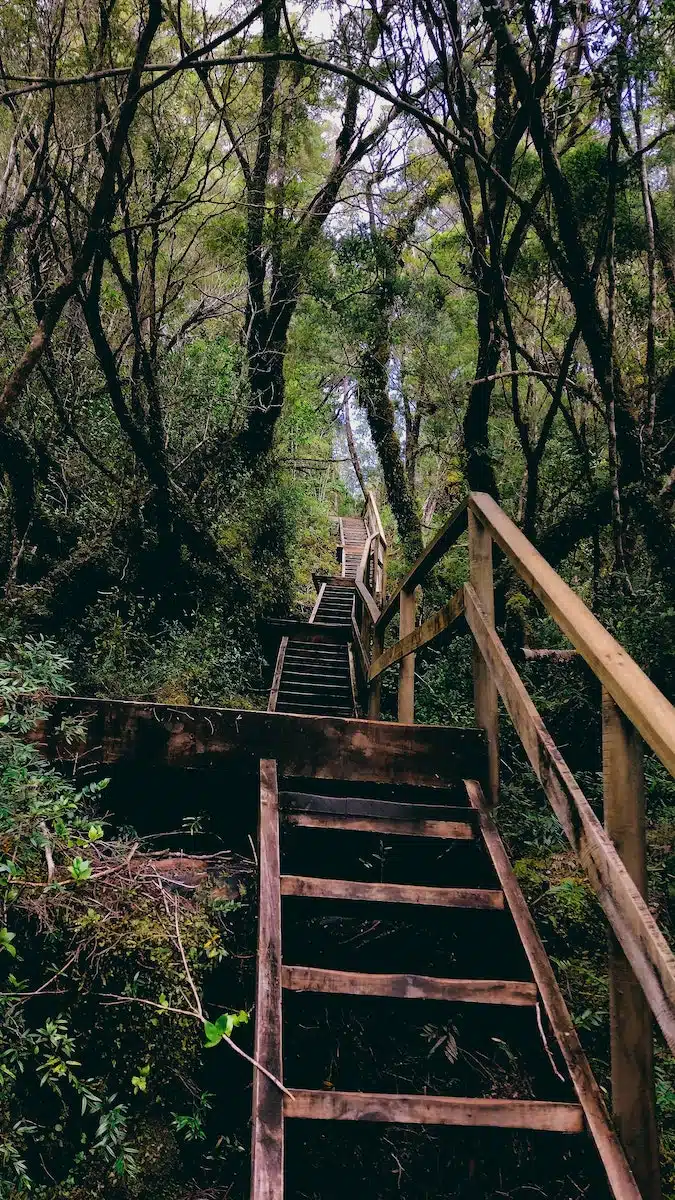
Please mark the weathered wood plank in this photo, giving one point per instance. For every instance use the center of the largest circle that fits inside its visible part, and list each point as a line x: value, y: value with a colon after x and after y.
x: 484, y: 688
x: 631, y: 1032
x: 363, y: 806
x: 367, y: 600
x: 315, y: 746
x: 421, y: 636
x: 434, y: 1110
x: 352, y: 682
x: 590, y: 1097
x: 642, y: 702
x: 278, y: 669
x: 406, y: 669
x: 460, y: 831
x: 267, y: 1167
x: 372, y: 509
x: 313, y: 887
x: 433, y: 553
x: 361, y: 657
x: 322, y: 592
x: 375, y: 688
x: 410, y: 987
x: 640, y: 937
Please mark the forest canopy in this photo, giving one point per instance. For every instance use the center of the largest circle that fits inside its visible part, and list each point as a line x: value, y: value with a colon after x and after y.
x: 437, y: 240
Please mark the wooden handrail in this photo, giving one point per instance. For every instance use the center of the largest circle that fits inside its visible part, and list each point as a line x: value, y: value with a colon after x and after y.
x: 371, y: 506
x: 421, y: 636
x: 433, y: 553
x: 641, y: 939
x: 641, y: 963
x: 361, y: 585
x: 642, y: 702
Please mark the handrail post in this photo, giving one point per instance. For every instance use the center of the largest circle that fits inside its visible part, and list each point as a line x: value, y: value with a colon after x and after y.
x: 375, y: 689
x: 631, y: 1031
x: 484, y: 688
x: 406, y: 672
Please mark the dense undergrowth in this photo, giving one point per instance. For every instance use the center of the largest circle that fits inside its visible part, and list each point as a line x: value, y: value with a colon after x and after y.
x: 108, y: 948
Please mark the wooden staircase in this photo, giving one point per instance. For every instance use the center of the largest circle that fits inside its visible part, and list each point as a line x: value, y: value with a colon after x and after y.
x: 441, y: 861
x: 314, y: 676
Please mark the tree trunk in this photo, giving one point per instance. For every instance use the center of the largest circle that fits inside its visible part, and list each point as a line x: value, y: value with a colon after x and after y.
x: 374, y: 395
x: 351, y: 444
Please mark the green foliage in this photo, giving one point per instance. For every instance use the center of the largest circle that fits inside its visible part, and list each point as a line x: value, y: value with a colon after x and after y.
x: 84, y: 1080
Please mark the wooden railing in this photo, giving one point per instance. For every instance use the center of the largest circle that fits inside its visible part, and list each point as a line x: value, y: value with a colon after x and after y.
x: 641, y: 964
x: 371, y: 582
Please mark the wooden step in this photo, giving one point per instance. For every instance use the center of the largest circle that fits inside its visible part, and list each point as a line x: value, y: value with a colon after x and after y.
x: 308, y: 658
x: 316, y: 687
x: 316, y: 888
x: 452, y: 830
x: 365, y: 806
x: 512, y: 992
x: 434, y: 1110
x: 292, y: 677
x: 317, y: 652
x: 303, y: 708
x: 315, y: 672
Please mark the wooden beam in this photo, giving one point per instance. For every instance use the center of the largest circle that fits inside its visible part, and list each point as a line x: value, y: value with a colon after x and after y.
x: 642, y: 702
x: 459, y: 831
x: 640, y: 937
x: 588, y: 1093
x: 421, y: 636
x: 406, y: 669
x: 375, y: 687
x: 361, y: 651
x: 361, y: 806
x: 433, y: 553
x: 317, y: 602
x: 352, y: 681
x: 267, y: 1167
x: 484, y: 689
x: 367, y: 600
x: 362, y: 569
x: 631, y: 1032
x: 371, y: 503
x: 410, y: 987
x: 278, y: 669
x: 315, y: 888
x: 434, y: 1110
x: 316, y: 746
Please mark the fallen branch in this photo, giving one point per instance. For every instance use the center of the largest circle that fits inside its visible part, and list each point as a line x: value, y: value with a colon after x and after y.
x: 47, y: 847
x: 112, y: 999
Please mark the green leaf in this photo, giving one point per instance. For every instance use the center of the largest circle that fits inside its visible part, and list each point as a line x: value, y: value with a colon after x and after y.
x: 80, y: 869
x: 226, y: 1022
x: 6, y: 939
x: 213, y: 1034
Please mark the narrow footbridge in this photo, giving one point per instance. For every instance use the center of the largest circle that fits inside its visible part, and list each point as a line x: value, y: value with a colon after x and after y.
x: 332, y: 774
